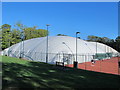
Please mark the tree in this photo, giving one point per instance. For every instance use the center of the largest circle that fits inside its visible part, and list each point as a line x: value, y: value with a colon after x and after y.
x: 6, y: 36
x: 98, y: 39
x: 92, y: 38
x: 42, y: 32
x: 118, y: 43
x: 61, y: 35
x: 10, y: 36
x: 110, y: 42
x: 32, y: 32
x: 15, y: 36
x: 6, y: 26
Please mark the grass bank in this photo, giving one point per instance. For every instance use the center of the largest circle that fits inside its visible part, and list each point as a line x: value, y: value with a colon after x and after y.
x: 18, y: 73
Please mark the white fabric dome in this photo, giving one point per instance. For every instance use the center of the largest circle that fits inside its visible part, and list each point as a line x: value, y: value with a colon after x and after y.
x: 60, y: 48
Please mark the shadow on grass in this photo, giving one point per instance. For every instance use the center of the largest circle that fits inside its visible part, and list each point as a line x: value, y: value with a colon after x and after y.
x: 41, y: 75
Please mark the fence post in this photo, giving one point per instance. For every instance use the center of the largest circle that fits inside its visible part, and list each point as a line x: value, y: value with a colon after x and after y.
x: 35, y: 55
x: 85, y: 62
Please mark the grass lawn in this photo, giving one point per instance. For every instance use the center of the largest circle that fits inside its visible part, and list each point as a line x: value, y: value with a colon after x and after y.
x: 19, y: 73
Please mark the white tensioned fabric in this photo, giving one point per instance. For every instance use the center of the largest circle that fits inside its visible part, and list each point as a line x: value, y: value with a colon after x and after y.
x: 102, y: 48
x: 59, y: 48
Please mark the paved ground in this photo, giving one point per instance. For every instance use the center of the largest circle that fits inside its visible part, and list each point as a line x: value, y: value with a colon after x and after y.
x: 106, y: 66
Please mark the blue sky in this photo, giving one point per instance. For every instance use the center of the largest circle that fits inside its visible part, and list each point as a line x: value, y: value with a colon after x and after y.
x: 89, y: 18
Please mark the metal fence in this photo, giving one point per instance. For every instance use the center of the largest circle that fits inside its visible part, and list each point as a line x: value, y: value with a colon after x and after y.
x: 61, y: 57
x: 104, y: 62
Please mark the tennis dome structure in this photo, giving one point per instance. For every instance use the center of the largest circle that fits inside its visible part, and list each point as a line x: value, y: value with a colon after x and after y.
x: 60, y: 48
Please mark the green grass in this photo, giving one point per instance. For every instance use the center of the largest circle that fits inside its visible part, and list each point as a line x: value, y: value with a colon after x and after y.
x: 29, y: 74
